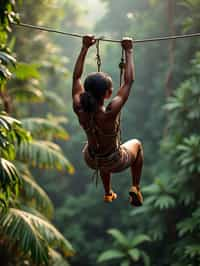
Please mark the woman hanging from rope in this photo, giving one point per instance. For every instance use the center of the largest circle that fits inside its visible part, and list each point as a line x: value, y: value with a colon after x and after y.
x: 103, y: 151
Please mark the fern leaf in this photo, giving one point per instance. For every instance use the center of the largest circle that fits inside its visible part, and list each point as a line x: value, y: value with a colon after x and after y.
x: 165, y: 202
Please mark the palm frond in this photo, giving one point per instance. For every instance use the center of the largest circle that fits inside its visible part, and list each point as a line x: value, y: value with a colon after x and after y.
x: 56, y: 259
x: 43, y: 128
x: 5, y: 61
x: 13, y: 223
x: 11, y: 131
x: 35, y: 196
x: 9, y: 180
x: 43, y: 154
x: 33, y: 235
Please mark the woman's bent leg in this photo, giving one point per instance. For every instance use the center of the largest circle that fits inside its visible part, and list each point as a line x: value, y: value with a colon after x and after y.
x: 135, y: 148
x: 106, y: 180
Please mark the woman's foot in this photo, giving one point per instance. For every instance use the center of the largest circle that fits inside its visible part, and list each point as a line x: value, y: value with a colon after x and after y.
x: 136, y: 198
x: 110, y: 197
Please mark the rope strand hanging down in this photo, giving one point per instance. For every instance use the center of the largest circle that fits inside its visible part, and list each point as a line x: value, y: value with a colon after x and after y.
x: 98, y: 58
x: 71, y: 34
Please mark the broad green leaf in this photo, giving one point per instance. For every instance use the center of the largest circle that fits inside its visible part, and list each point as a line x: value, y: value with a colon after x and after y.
x: 134, y: 254
x: 125, y: 263
x: 25, y: 71
x: 139, y: 240
x: 146, y: 259
x: 119, y: 237
x: 110, y: 254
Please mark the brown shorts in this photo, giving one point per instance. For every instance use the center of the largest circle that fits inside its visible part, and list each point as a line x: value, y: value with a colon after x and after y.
x: 115, y: 162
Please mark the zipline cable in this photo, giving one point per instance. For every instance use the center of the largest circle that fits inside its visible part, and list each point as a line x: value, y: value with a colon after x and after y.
x: 71, y: 34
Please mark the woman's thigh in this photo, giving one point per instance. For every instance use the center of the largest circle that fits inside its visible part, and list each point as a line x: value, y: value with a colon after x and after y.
x: 133, y: 146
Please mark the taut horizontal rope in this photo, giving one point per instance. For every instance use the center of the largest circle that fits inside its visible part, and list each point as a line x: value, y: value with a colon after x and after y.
x: 71, y: 34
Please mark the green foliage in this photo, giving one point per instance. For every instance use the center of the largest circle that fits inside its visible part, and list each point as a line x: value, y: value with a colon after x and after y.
x: 56, y: 259
x: 26, y: 95
x: 53, y: 99
x: 26, y: 234
x: 193, y: 19
x: 126, y: 249
x: 37, y: 197
x: 7, y: 15
x: 11, y: 133
x: 5, y: 61
x: 24, y: 71
x: 43, y: 154
x: 110, y: 255
x: 34, y: 233
x: 188, y: 156
x: 45, y: 128
x: 9, y: 181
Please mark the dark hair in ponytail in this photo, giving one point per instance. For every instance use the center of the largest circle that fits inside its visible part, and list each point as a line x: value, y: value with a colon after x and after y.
x: 88, y: 102
x: 96, y: 84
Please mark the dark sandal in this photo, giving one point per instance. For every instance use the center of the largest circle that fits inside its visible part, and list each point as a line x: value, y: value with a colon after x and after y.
x: 136, y: 198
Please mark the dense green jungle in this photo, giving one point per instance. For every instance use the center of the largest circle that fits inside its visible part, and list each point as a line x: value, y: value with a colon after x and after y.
x: 52, y: 213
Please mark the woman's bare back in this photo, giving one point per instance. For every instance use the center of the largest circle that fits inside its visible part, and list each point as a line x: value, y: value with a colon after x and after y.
x: 101, y: 130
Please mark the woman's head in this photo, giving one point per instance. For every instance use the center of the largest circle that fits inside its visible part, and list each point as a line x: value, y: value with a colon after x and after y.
x: 98, y: 86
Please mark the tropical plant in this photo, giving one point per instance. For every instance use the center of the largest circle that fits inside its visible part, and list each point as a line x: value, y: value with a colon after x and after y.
x: 26, y: 234
x: 126, y: 250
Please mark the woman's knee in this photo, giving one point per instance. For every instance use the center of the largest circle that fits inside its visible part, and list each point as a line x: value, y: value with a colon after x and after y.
x: 137, y: 143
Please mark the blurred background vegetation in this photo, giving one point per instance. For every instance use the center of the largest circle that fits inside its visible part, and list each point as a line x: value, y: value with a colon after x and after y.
x: 41, y: 163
